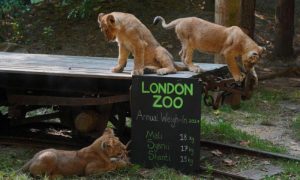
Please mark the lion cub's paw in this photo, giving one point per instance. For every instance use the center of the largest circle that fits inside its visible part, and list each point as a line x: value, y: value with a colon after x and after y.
x: 117, y: 69
x: 137, y: 72
x: 195, y: 69
x: 162, y: 71
x: 239, y: 78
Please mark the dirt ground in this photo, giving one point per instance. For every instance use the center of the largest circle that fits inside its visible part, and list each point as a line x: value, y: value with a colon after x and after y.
x: 47, y: 30
x: 280, y: 130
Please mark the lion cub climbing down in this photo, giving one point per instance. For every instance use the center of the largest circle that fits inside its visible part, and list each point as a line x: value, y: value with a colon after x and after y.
x: 230, y: 42
x: 106, y: 153
x: 134, y: 37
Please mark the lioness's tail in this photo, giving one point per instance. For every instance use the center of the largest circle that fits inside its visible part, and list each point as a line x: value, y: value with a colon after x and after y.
x: 171, y: 25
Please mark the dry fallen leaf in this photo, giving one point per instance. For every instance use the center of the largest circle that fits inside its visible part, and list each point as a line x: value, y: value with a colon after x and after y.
x: 169, y: 46
x: 229, y: 162
x: 144, y: 172
x: 266, y: 162
x: 216, y: 152
x: 244, y: 143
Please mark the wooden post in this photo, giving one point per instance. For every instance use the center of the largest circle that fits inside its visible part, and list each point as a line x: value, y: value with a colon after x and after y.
x: 248, y: 16
x: 227, y: 13
x: 284, y: 28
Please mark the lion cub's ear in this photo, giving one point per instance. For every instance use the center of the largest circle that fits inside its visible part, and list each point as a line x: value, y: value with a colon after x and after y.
x: 109, y: 131
x: 100, y: 15
x: 111, y: 19
x: 262, y: 49
x: 106, y: 144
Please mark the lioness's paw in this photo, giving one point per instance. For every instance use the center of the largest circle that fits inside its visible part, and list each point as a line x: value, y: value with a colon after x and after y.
x: 117, y: 69
x: 137, y: 72
x: 195, y: 69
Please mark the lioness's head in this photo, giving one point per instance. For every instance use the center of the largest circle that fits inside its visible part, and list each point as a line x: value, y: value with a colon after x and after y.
x: 252, y: 58
x: 107, y: 26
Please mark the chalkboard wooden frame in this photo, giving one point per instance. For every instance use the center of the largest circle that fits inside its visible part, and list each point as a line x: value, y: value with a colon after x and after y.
x: 166, y: 114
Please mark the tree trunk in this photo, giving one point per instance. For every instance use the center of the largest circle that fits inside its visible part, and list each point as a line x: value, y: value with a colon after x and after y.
x: 227, y: 13
x: 248, y: 17
x: 284, y: 28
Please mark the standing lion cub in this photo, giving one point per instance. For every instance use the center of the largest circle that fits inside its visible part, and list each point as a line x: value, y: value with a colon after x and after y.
x: 230, y: 42
x: 107, y: 153
x: 134, y: 37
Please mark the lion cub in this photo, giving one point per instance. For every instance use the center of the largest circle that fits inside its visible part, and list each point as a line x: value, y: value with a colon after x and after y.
x: 230, y: 42
x: 134, y: 37
x: 107, y: 153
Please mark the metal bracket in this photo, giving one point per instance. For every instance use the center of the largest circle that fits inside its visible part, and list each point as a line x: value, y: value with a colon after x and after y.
x: 221, y: 88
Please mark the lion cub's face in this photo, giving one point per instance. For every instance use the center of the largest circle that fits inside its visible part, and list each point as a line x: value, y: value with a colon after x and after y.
x: 111, y: 145
x: 252, y: 58
x: 114, y: 148
x: 107, y: 26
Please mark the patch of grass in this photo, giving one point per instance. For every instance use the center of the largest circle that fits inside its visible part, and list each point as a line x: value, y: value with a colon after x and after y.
x: 261, y: 98
x: 296, y: 127
x: 258, y: 109
x: 296, y: 94
x: 12, y: 160
x: 15, y: 176
x: 224, y: 131
x: 9, y: 159
x: 290, y: 170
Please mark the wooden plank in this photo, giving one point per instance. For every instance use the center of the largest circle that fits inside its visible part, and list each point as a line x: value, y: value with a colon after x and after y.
x: 75, y: 66
x: 65, y: 101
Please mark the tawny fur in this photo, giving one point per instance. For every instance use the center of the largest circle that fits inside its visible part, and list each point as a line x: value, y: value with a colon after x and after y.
x: 106, y: 153
x: 230, y: 42
x: 134, y: 37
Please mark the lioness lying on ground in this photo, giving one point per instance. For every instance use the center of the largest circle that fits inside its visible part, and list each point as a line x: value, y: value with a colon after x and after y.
x: 230, y: 42
x: 134, y: 37
x: 106, y: 153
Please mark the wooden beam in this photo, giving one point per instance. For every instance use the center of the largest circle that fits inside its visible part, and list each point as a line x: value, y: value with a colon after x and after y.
x: 65, y: 101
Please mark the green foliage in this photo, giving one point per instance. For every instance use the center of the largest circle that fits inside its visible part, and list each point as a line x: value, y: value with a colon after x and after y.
x: 11, y: 28
x: 84, y: 9
x: 48, y: 37
x: 17, y: 32
x: 36, y: 1
x: 48, y: 32
x: 7, y: 6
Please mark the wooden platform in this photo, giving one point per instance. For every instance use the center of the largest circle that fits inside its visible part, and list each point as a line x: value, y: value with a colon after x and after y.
x: 75, y: 66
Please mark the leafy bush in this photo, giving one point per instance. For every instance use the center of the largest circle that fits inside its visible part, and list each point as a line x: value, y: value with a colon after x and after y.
x: 84, y: 9
x: 7, y: 6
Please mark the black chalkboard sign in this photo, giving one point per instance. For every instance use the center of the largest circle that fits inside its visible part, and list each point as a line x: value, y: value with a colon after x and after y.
x: 166, y: 122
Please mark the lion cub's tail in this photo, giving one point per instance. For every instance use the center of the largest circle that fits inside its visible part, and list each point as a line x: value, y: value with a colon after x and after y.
x: 25, y: 167
x: 180, y: 67
x: 171, y: 25
x: 153, y: 69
